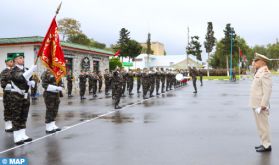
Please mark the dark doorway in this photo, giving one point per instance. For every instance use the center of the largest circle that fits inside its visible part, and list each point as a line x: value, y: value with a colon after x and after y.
x: 96, y: 65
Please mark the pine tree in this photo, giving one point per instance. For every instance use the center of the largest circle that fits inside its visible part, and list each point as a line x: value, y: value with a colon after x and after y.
x: 209, y: 42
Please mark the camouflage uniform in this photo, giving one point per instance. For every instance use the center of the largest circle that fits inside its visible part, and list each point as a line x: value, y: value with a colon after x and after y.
x: 94, y: 77
x: 168, y: 80
x: 90, y: 83
x: 70, y: 79
x: 51, y: 98
x: 82, y: 85
x: 5, y: 77
x: 124, y: 75
x: 100, y: 81
x: 157, y: 80
x: 21, y: 99
x: 163, y: 80
x: 138, y: 75
x: 130, y: 82
x: 117, y: 84
x: 35, y: 88
x: 107, y: 77
x: 145, y: 83
x: 193, y: 74
x: 152, y: 83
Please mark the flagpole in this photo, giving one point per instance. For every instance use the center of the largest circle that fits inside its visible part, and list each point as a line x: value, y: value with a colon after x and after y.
x: 56, y: 13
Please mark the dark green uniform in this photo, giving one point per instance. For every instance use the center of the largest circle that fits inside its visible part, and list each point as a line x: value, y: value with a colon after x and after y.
x: 51, y: 98
x: 5, y: 77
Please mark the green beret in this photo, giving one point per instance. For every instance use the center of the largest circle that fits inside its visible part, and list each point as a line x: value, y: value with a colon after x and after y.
x: 15, y: 55
x: 9, y: 59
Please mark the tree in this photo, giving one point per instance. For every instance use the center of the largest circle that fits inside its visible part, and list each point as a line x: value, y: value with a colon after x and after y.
x: 79, y: 38
x: 122, y: 43
x: 113, y: 63
x: 148, y: 49
x: 134, y: 49
x: 68, y: 27
x: 194, y: 48
x: 209, y: 42
x: 97, y: 44
x: 229, y: 34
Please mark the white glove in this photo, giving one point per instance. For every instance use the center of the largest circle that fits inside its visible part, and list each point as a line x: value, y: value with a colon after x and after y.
x: 8, y: 87
x: 53, y: 88
x: 27, y: 74
x: 32, y: 83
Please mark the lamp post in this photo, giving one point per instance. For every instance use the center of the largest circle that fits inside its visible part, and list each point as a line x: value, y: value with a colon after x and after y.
x: 231, y: 34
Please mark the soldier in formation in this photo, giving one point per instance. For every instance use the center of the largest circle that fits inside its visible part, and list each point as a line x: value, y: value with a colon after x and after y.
x: 5, y: 77
x: 51, y: 96
x: 21, y: 82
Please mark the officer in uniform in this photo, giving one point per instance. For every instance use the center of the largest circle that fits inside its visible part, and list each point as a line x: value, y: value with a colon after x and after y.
x: 259, y: 100
x: 82, y: 84
x: 118, y: 81
x: 100, y: 81
x: 193, y: 74
x: 138, y: 76
x: 70, y: 79
x: 107, y: 77
x: 5, y: 77
x: 21, y: 81
x: 52, y: 100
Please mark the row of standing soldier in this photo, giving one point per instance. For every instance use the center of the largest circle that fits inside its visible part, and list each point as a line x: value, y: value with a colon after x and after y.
x: 119, y: 80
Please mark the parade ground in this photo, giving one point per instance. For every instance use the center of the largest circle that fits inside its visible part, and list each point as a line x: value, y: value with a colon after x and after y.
x: 214, y: 127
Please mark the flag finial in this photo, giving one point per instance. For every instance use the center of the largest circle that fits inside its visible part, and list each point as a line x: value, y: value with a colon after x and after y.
x: 58, y: 8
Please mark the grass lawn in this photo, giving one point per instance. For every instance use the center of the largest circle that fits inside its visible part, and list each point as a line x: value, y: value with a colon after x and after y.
x: 218, y: 77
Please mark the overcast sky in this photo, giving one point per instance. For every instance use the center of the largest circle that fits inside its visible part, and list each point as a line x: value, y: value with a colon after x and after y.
x: 167, y: 20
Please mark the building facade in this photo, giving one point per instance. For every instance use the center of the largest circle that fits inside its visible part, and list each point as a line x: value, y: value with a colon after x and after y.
x: 78, y: 57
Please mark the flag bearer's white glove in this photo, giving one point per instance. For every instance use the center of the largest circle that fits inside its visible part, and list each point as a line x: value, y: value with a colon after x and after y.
x: 27, y: 74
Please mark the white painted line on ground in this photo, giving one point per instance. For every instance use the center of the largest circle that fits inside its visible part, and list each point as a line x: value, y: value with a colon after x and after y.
x: 84, y: 122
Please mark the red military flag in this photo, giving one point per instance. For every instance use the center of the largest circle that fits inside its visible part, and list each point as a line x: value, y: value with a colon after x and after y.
x: 117, y: 53
x: 51, y: 53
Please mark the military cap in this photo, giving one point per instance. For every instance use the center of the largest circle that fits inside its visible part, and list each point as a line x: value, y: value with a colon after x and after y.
x: 10, y: 56
x: 15, y: 55
x: 261, y: 57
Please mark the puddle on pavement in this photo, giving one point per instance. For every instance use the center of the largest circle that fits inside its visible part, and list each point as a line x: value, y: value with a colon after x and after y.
x: 118, y: 118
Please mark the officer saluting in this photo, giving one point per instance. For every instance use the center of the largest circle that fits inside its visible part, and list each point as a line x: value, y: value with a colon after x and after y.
x: 259, y: 100
x: 21, y: 80
x: 5, y: 77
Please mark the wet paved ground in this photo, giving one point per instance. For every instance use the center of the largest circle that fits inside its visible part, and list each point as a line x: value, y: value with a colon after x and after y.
x: 214, y: 127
